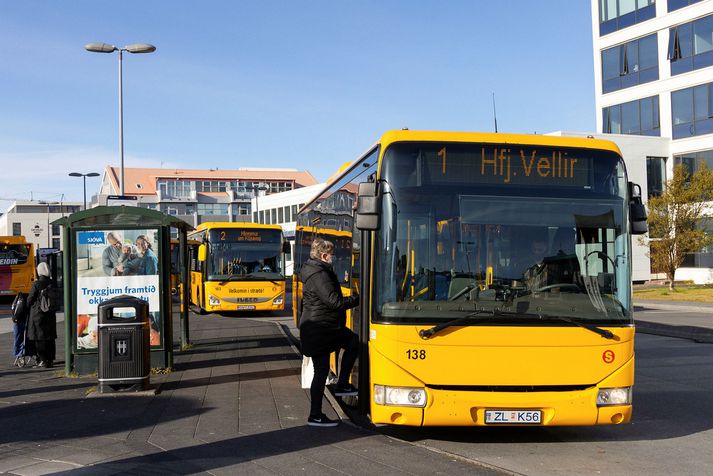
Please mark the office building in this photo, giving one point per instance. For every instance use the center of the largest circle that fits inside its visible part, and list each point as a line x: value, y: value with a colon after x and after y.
x: 653, y: 65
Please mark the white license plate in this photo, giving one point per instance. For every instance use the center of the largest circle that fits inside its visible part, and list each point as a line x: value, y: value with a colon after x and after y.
x: 240, y: 308
x: 522, y: 417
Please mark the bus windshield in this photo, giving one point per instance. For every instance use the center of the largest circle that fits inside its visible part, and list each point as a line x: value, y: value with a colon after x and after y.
x: 240, y: 254
x: 536, y: 231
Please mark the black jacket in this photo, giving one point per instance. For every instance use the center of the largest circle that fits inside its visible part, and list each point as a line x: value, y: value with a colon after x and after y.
x: 323, y: 308
x: 41, y: 325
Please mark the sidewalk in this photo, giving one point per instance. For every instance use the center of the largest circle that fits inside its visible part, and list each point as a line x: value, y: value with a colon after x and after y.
x: 233, y: 405
x: 687, y: 320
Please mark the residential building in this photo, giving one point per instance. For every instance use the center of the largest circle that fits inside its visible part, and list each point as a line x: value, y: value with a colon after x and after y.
x: 653, y: 66
x: 198, y: 196
x: 33, y: 220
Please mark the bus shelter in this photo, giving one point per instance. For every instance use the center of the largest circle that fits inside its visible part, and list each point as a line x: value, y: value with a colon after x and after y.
x: 114, y: 251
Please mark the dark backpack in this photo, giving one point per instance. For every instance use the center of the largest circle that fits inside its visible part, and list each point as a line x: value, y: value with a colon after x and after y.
x: 49, y: 301
x: 19, y: 308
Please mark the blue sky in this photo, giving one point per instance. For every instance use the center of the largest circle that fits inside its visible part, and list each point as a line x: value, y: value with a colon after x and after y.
x: 302, y: 84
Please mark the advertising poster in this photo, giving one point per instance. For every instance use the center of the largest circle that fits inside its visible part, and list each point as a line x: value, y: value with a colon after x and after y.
x: 112, y: 263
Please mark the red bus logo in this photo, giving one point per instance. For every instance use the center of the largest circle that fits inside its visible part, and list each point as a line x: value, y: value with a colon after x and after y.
x: 608, y: 356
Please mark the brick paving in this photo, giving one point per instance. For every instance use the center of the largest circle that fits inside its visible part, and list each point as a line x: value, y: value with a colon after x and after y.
x: 232, y: 405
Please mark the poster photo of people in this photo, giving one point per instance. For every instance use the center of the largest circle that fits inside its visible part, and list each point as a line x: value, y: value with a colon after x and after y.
x: 112, y: 263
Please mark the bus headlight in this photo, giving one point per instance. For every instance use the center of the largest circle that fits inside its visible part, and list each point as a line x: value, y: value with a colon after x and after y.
x: 213, y: 301
x: 277, y: 301
x: 399, y: 396
x: 614, y: 396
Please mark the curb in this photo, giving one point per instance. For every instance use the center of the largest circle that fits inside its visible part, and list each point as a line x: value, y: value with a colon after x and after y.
x: 701, y: 335
x: 665, y: 306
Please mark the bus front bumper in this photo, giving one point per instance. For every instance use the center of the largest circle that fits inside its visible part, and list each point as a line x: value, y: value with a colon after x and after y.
x: 468, y: 408
x: 579, y: 407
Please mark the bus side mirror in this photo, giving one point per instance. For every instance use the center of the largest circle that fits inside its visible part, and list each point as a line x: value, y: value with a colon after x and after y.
x: 201, y: 253
x: 286, y: 247
x: 637, y: 211
x: 367, y: 212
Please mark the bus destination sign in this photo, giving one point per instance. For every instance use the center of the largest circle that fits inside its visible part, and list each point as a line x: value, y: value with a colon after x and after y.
x: 511, y: 165
x: 244, y: 235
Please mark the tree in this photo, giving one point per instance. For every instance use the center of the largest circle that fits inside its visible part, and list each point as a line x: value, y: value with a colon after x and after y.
x: 674, y: 219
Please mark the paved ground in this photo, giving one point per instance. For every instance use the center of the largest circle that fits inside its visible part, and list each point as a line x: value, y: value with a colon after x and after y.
x: 233, y: 405
x: 687, y: 320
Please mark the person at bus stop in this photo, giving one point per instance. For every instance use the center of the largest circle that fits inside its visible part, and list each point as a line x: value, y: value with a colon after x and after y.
x: 41, y: 326
x: 323, y: 327
x: 23, y: 348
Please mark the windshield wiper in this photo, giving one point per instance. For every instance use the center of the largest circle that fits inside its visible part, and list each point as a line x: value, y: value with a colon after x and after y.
x: 428, y: 333
x: 607, y: 334
x: 597, y: 330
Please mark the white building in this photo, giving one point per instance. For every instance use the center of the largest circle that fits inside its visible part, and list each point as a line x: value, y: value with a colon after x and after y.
x: 653, y: 66
x: 33, y: 220
x: 639, y: 153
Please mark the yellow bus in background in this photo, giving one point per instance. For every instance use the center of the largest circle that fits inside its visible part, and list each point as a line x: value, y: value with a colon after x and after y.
x: 494, y: 275
x: 237, y: 267
x: 342, y: 262
x: 17, y: 265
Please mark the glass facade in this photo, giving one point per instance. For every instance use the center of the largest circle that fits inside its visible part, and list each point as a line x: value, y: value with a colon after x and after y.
x: 617, y: 14
x: 692, y: 161
x: 632, y: 63
x: 655, y: 175
x: 704, y: 258
x: 183, y: 188
x: 212, y: 208
x: 676, y: 4
x: 690, y: 45
x: 640, y: 117
x: 692, y: 111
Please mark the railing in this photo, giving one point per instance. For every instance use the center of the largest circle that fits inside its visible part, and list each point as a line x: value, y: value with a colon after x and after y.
x: 185, y: 197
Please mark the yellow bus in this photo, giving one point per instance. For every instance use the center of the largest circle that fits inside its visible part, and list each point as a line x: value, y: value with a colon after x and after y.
x: 495, y: 278
x: 237, y: 267
x: 17, y: 265
x: 342, y: 263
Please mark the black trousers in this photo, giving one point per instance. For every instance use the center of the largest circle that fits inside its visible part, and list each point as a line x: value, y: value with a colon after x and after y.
x: 348, y: 341
x: 45, y: 350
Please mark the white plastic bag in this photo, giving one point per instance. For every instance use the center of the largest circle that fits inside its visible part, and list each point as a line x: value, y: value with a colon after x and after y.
x: 307, y: 372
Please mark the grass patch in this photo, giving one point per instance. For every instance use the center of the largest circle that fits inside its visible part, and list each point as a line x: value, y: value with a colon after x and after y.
x: 679, y: 293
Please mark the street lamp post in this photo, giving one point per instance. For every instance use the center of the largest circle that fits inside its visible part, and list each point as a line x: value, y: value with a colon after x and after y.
x: 49, y: 228
x: 135, y: 48
x: 84, y: 179
x: 257, y: 190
